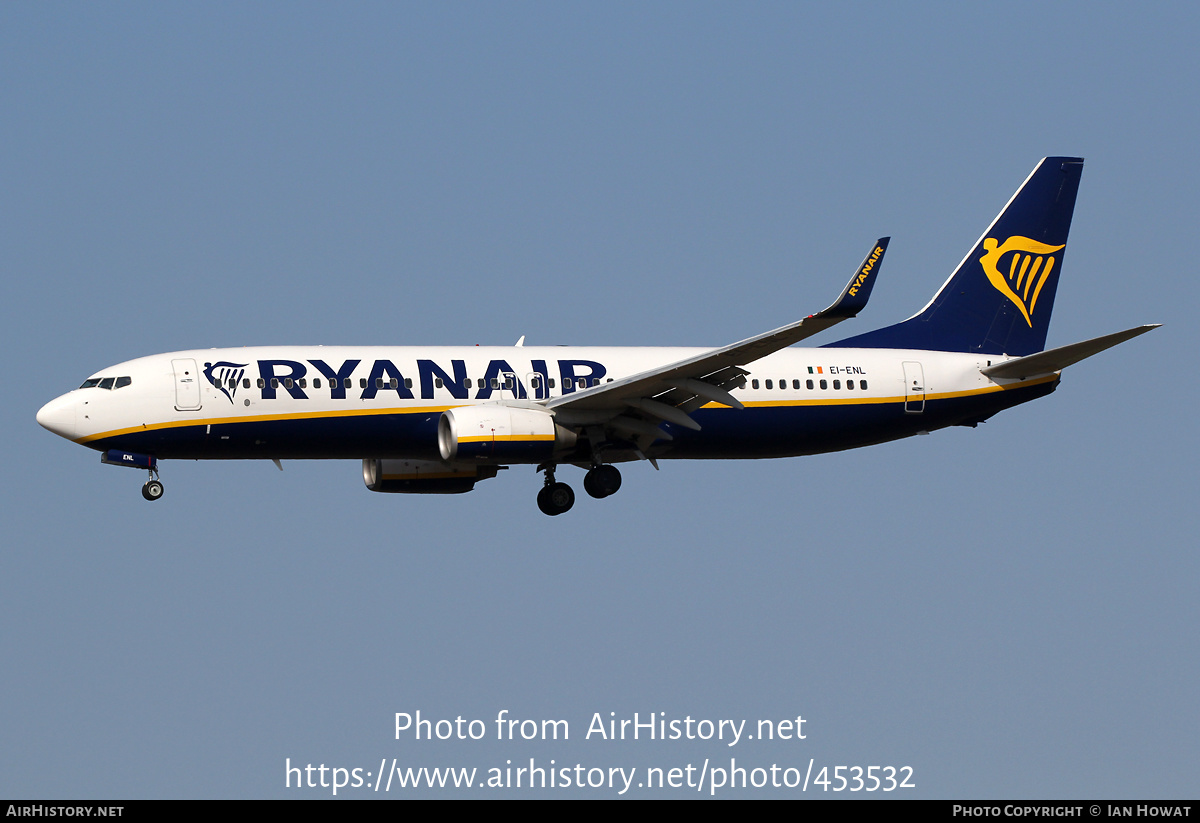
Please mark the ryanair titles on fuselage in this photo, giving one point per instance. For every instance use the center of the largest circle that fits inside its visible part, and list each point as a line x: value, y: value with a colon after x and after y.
x: 367, y: 379
x: 293, y: 376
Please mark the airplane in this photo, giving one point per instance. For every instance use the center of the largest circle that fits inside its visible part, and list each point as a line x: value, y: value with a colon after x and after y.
x: 441, y: 419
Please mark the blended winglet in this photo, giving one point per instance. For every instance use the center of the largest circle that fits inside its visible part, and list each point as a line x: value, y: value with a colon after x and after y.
x: 854, y: 297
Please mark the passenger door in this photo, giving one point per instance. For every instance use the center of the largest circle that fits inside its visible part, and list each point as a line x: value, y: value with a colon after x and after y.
x: 187, y: 385
x: 914, y: 387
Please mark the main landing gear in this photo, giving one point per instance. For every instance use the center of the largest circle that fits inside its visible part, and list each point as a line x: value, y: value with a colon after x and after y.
x: 601, y: 481
x: 556, y: 498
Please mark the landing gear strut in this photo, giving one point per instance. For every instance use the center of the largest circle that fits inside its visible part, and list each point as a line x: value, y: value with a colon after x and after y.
x: 601, y: 481
x: 554, y: 498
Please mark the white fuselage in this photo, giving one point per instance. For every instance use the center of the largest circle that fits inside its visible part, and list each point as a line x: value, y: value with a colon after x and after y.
x: 345, y: 401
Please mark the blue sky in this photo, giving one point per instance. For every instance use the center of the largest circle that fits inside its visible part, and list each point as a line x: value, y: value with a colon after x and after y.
x: 1009, y: 610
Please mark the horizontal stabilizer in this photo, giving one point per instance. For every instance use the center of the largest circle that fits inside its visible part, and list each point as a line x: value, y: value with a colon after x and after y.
x: 1047, y: 362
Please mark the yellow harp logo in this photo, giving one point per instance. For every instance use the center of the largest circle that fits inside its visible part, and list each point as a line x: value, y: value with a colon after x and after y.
x: 1029, y: 268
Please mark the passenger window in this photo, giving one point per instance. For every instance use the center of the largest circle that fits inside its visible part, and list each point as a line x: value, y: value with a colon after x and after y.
x: 304, y: 382
x: 262, y: 383
x: 393, y: 383
x: 768, y: 385
x: 274, y: 382
x: 567, y: 383
x: 808, y: 384
x: 849, y: 384
x: 795, y: 384
x: 122, y: 382
x: 495, y: 382
x: 824, y: 385
x: 287, y: 383
x: 245, y: 382
x: 535, y: 382
x: 551, y: 382
x: 316, y: 382
x: 862, y: 384
x: 408, y: 382
x: 837, y: 384
x: 346, y: 383
x: 362, y: 382
x: 754, y: 384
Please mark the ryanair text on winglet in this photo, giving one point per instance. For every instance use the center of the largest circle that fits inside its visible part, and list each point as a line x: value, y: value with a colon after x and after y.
x: 865, y: 272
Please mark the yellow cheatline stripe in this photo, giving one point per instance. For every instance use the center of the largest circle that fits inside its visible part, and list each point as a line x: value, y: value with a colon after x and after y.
x: 260, y: 418
x: 522, y: 438
x: 838, y: 401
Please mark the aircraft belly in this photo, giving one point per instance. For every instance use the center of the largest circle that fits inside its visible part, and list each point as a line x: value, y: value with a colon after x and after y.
x: 796, y: 430
x: 787, y: 431
x: 412, y: 436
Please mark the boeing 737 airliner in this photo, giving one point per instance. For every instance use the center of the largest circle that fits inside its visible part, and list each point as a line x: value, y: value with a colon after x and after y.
x: 438, y: 420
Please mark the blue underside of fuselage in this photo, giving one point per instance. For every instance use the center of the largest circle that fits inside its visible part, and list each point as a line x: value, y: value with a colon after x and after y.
x: 756, y: 432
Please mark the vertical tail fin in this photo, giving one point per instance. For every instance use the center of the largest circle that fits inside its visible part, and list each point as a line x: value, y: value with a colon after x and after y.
x: 999, y: 299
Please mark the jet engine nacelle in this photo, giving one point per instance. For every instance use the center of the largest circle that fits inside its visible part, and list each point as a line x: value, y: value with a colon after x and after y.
x: 504, y: 434
x: 423, y: 476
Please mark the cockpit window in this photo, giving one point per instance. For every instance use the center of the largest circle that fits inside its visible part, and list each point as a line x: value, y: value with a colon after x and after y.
x: 107, y: 382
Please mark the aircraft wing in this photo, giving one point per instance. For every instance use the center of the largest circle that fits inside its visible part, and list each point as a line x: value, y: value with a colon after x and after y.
x: 1046, y: 362
x: 635, y: 405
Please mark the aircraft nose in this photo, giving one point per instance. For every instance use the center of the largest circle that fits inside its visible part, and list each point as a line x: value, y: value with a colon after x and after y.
x: 58, y: 416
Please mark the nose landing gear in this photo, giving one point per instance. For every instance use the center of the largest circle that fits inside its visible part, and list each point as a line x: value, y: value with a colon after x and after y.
x: 153, y: 488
